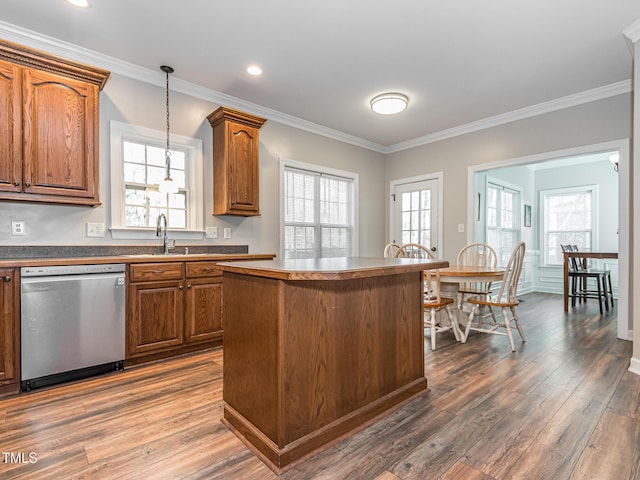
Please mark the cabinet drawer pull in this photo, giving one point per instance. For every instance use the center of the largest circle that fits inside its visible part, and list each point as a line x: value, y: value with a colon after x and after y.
x: 7, y: 278
x: 157, y: 271
x: 208, y: 269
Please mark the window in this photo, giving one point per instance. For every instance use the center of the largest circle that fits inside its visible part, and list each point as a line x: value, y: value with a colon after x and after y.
x: 138, y: 166
x: 318, y: 211
x: 503, y: 219
x: 568, y: 219
x: 416, y: 217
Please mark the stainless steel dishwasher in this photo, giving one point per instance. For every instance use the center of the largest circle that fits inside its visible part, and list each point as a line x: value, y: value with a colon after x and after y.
x: 72, y: 322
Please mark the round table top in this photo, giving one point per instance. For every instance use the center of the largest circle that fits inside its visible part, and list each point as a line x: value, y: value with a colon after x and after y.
x: 466, y: 273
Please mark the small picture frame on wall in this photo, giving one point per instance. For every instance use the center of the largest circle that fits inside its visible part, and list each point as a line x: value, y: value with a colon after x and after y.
x: 527, y: 215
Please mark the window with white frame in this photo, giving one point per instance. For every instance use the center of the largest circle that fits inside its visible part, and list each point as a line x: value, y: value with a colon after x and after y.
x: 568, y: 218
x: 503, y: 219
x: 318, y: 211
x: 138, y: 166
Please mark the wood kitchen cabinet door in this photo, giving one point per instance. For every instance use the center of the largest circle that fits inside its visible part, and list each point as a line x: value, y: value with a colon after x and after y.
x: 60, y: 119
x: 9, y: 326
x: 156, y: 316
x: 10, y: 128
x: 203, y: 320
x: 236, y: 144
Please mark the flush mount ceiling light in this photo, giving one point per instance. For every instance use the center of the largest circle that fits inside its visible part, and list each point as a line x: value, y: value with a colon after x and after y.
x: 389, y: 103
x: 254, y: 70
x: 79, y: 3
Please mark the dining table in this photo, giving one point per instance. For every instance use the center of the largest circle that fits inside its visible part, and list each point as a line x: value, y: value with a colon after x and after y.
x: 452, y: 276
x: 582, y: 256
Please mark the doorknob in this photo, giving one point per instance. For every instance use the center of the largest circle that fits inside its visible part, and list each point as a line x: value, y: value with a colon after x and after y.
x: 433, y: 249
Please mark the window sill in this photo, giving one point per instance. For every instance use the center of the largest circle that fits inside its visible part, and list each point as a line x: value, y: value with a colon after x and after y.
x: 150, y: 233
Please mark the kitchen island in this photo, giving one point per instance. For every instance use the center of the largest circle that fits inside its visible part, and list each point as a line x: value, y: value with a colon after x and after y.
x: 315, y: 349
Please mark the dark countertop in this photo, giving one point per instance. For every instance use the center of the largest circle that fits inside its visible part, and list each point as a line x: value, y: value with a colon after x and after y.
x: 26, y: 256
x: 331, y: 268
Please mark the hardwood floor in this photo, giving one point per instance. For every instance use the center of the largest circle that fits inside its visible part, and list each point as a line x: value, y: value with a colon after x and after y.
x: 563, y: 406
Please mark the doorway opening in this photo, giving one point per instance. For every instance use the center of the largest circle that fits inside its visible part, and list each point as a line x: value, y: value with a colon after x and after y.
x: 583, y: 172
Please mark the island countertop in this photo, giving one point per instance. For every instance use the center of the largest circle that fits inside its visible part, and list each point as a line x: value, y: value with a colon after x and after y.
x: 342, y: 268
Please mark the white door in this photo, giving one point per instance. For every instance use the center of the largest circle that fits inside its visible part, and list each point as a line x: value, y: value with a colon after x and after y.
x: 415, y: 213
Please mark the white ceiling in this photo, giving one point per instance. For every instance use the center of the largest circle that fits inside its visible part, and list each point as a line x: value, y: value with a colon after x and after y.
x: 459, y: 61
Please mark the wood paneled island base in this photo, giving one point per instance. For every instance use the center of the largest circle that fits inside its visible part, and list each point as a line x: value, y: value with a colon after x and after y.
x: 315, y: 349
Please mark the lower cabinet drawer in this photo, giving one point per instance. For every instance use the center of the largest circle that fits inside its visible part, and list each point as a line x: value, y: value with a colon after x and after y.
x: 141, y: 272
x: 203, y: 269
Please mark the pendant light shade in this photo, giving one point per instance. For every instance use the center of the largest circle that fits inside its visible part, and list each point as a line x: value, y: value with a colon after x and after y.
x: 167, y: 185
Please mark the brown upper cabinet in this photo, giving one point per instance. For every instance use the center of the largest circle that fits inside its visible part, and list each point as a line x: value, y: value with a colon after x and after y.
x: 235, y: 162
x: 49, y: 141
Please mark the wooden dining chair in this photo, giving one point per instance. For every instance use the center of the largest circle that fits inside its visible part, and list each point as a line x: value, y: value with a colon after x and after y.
x: 390, y: 250
x: 580, y: 289
x: 476, y: 255
x: 433, y: 303
x: 506, y: 298
x: 414, y: 250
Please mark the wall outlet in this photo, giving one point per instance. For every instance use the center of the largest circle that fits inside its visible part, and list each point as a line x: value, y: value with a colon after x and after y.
x: 227, y: 232
x: 95, y: 229
x: 17, y: 227
x: 211, y: 232
x: 461, y: 228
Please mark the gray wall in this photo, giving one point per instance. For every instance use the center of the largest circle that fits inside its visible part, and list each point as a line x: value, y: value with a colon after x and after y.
x: 140, y: 104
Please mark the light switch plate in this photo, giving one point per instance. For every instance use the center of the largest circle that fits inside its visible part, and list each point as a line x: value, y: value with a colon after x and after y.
x: 461, y: 228
x: 227, y: 232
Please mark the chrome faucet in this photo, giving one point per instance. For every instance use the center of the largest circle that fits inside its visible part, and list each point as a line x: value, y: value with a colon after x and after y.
x: 159, y: 229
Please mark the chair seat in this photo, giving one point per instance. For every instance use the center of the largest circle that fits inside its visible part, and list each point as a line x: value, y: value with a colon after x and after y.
x: 438, y: 304
x: 491, y: 302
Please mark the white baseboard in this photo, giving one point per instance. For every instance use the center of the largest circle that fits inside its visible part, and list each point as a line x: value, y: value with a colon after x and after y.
x: 634, y: 367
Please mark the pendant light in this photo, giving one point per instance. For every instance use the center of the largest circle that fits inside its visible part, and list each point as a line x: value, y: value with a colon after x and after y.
x: 167, y: 185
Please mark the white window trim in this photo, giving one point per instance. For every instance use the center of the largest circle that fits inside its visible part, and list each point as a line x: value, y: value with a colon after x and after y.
x: 594, y: 219
x: 498, y: 182
x: 286, y: 162
x: 120, y: 131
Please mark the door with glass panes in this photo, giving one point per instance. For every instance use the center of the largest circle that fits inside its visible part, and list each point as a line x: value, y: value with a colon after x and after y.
x: 416, y: 214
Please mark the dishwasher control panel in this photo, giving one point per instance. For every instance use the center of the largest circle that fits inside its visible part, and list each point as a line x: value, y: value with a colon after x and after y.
x: 71, y: 270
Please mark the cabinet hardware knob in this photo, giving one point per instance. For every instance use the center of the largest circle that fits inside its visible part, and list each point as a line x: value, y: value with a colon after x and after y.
x: 433, y: 249
x: 16, y: 183
x: 180, y: 287
x: 7, y: 278
x: 189, y: 286
x: 27, y: 184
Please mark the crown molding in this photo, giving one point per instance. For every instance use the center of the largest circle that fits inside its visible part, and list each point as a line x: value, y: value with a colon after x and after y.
x: 599, y: 93
x: 71, y: 51
x: 632, y: 34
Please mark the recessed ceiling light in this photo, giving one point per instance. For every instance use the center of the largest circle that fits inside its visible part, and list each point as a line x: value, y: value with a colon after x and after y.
x: 79, y: 3
x: 254, y: 70
x: 389, y: 103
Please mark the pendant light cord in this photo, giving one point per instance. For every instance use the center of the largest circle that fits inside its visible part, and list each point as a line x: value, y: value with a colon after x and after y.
x: 166, y: 152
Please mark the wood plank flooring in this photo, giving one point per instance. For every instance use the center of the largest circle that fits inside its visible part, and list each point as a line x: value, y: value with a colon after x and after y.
x: 563, y: 406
